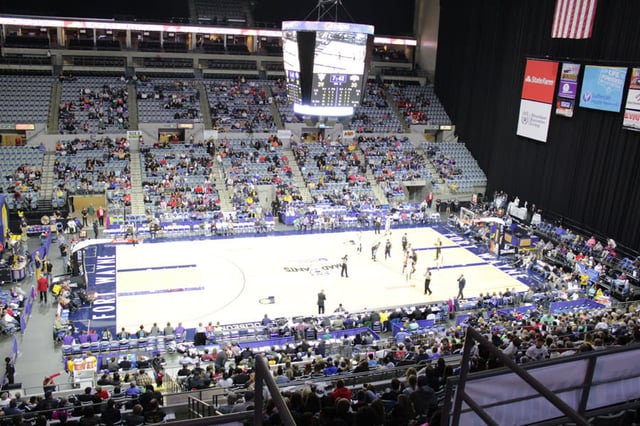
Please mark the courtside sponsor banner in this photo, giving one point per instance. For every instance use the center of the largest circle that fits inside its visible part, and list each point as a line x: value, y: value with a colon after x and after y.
x: 567, y: 89
x: 533, y: 121
x: 539, y: 80
x: 565, y: 107
x: 631, y: 118
x: 633, y: 100
x: 602, y: 88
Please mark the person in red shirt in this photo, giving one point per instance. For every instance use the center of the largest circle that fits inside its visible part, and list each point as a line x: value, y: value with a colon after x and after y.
x: 48, y: 383
x: 103, y: 394
x: 43, y: 288
x: 341, y: 391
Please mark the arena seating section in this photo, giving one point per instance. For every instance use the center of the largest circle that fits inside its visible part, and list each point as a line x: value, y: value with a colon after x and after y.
x: 456, y: 165
x: 21, y: 169
x: 334, y: 174
x: 176, y: 179
x: 239, y: 105
x: 93, y: 105
x: 221, y: 12
x: 374, y: 115
x: 168, y: 100
x: 419, y: 104
x: 248, y: 163
x: 24, y: 98
x: 91, y: 166
x: 394, y: 160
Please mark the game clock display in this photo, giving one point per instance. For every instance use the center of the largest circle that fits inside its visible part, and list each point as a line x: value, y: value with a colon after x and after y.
x: 336, y: 90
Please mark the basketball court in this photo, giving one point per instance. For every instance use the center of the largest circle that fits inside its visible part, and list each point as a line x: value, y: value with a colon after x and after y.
x: 239, y: 280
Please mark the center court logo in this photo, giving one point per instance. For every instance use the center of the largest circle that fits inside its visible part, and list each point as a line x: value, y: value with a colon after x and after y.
x: 318, y: 266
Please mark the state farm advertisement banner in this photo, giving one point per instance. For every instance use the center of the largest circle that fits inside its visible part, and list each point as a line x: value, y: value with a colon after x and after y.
x: 567, y: 89
x: 538, y: 88
x: 539, y: 80
x: 631, y: 118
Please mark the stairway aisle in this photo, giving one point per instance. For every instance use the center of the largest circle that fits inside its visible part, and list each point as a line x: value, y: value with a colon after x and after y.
x: 46, y: 180
x: 377, y: 190
x: 137, y: 192
x: 396, y: 111
x: 54, y: 108
x: 218, y: 177
x: 273, y: 108
x: 205, y: 109
x: 132, y: 102
x: 298, y: 179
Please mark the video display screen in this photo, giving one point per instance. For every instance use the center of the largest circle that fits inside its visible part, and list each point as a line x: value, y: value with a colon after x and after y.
x: 326, y: 64
x: 291, y: 65
x: 338, y: 67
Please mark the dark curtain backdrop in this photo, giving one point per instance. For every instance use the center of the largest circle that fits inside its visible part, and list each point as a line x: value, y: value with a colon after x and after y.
x: 588, y: 169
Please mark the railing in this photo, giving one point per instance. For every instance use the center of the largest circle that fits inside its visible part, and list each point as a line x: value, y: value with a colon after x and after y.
x: 263, y: 377
x: 544, y: 392
x: 197, y: 408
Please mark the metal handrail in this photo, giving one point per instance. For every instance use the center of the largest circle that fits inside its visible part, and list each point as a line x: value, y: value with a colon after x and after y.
x: 472, y: 336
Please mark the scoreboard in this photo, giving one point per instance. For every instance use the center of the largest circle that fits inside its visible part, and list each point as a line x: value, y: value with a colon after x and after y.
x: 326, y: 64
x: 336, y: 90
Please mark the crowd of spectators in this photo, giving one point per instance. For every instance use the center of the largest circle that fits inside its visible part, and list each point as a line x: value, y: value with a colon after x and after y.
x: 249, y: 163
x: 393, y: 160
x: 334, y: 173
x: 312, y: 372
x: 445, y: 165
x: 419, y: 105
x: 374, y: 113
x: 24, y: 185
x: 455, y: 165
x: 564, y: 259
x: 240, y: 105
x: 11, y: 308
x: 414, y: 108
x: 90, y: 406
x: 179, y: 98
x: 21, y: 168
x: 388, y: 53
x: 178, y: 179
x: 105, y: 106
x: 85, y: 166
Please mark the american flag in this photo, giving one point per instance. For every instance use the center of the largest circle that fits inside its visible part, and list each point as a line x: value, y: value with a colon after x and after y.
x: 573, y: 18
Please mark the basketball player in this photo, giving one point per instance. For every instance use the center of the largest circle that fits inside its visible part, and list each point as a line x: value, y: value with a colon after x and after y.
x: 409, y: 266
x: 438, y: 248
x: 439, y: 261
x: 387, y: 226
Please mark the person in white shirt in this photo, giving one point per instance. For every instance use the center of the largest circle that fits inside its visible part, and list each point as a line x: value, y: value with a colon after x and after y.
x: 537, y: 351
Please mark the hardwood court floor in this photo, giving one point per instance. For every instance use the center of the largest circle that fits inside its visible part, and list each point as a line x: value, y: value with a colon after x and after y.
x: 226, y: 279
x: 233, y: 280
